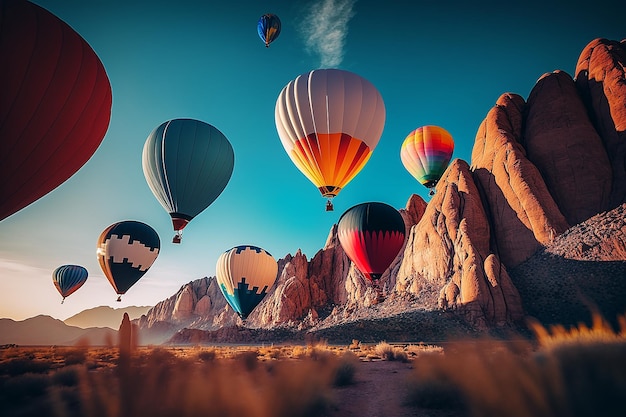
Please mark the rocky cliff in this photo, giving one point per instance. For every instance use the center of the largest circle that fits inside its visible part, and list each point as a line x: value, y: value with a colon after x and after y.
x: 539, y: 167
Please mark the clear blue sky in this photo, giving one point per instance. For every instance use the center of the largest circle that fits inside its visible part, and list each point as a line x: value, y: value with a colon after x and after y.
x: 445, y: 64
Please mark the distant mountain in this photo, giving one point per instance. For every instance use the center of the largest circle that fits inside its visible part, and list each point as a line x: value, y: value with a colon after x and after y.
x: 45, y: 330
x: 105, y: 316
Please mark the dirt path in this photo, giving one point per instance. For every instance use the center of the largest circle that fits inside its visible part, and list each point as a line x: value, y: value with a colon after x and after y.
x: 379, y: 390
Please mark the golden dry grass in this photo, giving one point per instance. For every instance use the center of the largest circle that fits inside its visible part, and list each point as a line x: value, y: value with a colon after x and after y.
x: 568, y: 372
x: 574, y: 372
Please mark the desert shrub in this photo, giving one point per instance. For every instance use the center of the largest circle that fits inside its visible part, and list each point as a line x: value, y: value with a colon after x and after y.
x: 24, y: 386
x: 345, y: 369
x: 68, y: 376
x: 207, y: 355
x: 21, y: 365
x: 572, y: 372
x: 187, y: 387
x: 75, y: 356
x: 248, y: 359
x: 390, y: 353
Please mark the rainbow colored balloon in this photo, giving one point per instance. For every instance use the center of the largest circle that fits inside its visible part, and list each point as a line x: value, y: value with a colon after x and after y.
x: 426, y: 153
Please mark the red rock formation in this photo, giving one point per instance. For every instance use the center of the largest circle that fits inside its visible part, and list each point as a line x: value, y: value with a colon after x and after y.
x: 561, y: 141
x: 601, y: 80
x: 447, y: 260
x: 521, y: 211
x: 536, y: 166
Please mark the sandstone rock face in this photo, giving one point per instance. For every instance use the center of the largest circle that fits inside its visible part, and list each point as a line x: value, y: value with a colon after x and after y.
x: 522, y: 213
x: 494, y: 244
x: 561, y: 141
x: 448, y: 258
x: 198, y: 303
x: 601, y: 81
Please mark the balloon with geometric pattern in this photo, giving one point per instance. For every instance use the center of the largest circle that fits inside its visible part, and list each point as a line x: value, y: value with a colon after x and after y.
x: 68, y: 278
x: 125, y: 251
x: 268, y: 28
x: 426, y: 153
x: 245, y: 274
x: 329, y: 121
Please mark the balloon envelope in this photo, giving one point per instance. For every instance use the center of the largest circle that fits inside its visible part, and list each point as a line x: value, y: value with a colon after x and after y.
x: 426, y: 153
x: 268, y: 28
x: 329, y: 122
x: 55, y: 103
x: 68, y: 278
x: 125, y: 251
x: 244, y: 275
x: 372, y: 235
x: 187, y: 164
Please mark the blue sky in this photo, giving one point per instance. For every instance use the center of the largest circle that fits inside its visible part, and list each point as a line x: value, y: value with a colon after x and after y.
x: 445, y: 63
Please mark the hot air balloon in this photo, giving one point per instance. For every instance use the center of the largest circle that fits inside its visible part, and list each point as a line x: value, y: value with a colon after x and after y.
x: 55, y: 104
x: 329, y: 122
x: 125, y: 251
x: 426, y: 153
x: 372, y: 235
x: 69, y: 278
x: 187, y: 164
x: 245, y: 274
x: 268, y: 28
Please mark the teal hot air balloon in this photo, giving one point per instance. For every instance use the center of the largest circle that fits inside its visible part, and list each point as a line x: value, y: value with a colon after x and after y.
x: 268, y: 28
x: 187, y: 164
x: 68, y: 278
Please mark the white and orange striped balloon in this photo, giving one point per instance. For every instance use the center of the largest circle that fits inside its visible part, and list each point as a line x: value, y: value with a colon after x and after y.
x: 329, y: 122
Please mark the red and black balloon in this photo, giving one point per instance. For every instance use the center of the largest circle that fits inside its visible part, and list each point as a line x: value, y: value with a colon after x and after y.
x: 372, y: 234
x: 55, y: 103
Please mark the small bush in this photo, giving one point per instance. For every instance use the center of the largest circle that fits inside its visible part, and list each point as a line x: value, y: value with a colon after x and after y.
x: 75, y: 356
x: 207, y: 355
x: 345, y: 370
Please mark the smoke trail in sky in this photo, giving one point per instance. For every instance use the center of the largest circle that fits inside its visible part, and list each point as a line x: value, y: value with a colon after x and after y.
x: 325, y: 29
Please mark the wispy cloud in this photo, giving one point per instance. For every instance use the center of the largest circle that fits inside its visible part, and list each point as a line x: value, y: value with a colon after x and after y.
x: 326, y: 28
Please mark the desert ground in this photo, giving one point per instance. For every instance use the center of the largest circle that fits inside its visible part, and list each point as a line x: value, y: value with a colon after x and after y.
x: 578, y: 371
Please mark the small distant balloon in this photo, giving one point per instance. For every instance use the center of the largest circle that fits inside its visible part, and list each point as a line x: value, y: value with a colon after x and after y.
x: 268, y: 28
x: 69, y: 278
x: 426, y: 153
x: 125, y: 251
x: 245, y: 274
x: 372, y: 235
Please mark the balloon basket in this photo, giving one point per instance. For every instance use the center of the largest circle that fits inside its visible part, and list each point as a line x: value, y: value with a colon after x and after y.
x: 329, y: 206
x: 177, y: 238
x: 119, y: 299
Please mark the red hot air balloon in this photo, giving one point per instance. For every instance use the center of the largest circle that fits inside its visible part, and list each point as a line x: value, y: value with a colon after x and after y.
x: 372, y: 235
x: 55, y: 103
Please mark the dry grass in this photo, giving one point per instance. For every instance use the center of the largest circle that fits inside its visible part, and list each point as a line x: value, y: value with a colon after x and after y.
x: 199, y: 381
x: 568, y: 372
x: 565, y: 372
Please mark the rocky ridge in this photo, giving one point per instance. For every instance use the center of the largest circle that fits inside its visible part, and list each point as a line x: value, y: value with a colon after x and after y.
x: 538, y: 167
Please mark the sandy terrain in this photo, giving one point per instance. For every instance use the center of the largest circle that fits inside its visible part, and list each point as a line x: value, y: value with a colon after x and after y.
x: 379, y: 390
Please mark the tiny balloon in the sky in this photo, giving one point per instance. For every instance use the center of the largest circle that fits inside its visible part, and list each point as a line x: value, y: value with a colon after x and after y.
x: 268, y: 28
